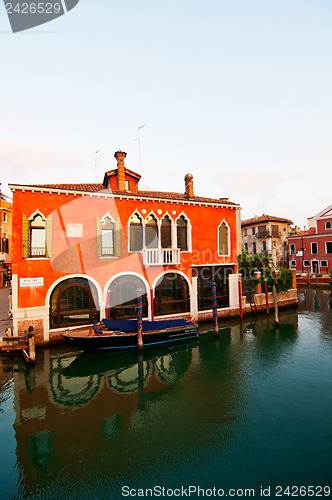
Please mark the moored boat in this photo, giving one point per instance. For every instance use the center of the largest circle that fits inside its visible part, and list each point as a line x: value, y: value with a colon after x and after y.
x: 115, y: 334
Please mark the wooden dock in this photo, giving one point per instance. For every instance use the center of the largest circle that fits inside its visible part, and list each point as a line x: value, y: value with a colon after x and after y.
x: 14, y: 346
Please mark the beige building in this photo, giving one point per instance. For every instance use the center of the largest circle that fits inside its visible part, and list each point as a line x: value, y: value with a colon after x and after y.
x: 266, y: 234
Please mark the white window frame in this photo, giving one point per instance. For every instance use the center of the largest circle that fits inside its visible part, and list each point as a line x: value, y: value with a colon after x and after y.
x: 107, y: 216
x: 189, y: 242
x: 292, y: 251
x: 293, y: 263
x: 327, y: 253
x: 314, y: 243
x: 306, y: 265
x: 328, y: 222
x: 224, y: 221
x: 312, y: 265
x: 324, y: 265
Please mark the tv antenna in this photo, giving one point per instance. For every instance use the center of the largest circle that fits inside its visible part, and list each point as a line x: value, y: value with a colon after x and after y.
x: 139, y: 137
x: 95, y: 162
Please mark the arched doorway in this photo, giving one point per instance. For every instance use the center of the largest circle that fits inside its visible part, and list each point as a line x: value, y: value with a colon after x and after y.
x: 73, y: 302
x: 122, y: 297
x: 171, y: 295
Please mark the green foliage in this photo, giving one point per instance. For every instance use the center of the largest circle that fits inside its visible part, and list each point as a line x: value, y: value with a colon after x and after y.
x: 261, y: 262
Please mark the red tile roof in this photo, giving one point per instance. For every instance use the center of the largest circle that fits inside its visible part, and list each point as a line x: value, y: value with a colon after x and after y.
x: 312, y: 230
x: 265, y: 218
x: 96, y: 188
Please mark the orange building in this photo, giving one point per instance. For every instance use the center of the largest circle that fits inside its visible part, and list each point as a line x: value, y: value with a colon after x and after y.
x: 6, y: 212
x: 81, y: 251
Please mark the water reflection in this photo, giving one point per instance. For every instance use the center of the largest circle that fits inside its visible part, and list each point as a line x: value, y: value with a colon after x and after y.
x: 78, y: 414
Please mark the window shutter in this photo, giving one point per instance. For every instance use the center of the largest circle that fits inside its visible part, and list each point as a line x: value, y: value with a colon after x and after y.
x: 99, y: 241
x: 7, y: 246
x: 117, y: 238
x: 49, y: 236
x: 25, y: 236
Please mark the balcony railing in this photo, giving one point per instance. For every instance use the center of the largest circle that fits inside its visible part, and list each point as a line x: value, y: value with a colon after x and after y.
x: 268, y: 234
x: 161, y: 256
x: 37, y: 252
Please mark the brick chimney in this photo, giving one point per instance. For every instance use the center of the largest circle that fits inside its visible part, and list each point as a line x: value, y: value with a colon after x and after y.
x: 189, y: 186
x: 120, y: 156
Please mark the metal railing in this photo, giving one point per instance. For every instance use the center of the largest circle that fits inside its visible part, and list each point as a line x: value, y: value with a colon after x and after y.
x: 161, y: 256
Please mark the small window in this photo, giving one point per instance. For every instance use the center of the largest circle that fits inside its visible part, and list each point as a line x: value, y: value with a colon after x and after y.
x: 328, y: 224
x: 306, y: 263
x: 127, y: 184
x: 264, y: 246
x: 292, y: 248
x: 37, y: 237
x: 284, y: 229
x: 253, y: 230
x: 293, y: 263
x: 107, y: 237
x: 246, y: 232
x: 223, y: 237
x: 254, y: 249
x: 246, y: 247
x: 329, y: 247
x: 182, y: 233
x: 314, y: 248
x: 4, y: 217
x: 136, y: 234
x: 323, y: 263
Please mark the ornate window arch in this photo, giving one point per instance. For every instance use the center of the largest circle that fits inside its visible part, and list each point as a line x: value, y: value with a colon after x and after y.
x: 183, y: 233
x: 135, y: 232
x: 151, y: 231
x: 36, y: 235
x: 166, y: 232
x: 224, y: 246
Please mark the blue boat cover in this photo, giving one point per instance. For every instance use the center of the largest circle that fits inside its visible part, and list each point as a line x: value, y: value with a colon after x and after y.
x: 130, y: 325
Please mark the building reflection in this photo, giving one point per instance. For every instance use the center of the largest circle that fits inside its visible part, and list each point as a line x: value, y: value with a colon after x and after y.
x: 73, y: 404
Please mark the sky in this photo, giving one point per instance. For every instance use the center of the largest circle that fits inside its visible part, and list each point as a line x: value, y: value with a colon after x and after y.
x: 236, y: 92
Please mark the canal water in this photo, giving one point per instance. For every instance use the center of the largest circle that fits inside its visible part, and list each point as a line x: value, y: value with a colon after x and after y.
x: 249, y: 410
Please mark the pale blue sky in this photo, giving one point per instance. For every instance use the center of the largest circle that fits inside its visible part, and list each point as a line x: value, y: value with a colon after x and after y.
x: 236, y: 92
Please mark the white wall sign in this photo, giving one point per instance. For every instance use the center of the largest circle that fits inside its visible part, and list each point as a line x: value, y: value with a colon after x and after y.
x: 31, y: 282
x: 74, y: 230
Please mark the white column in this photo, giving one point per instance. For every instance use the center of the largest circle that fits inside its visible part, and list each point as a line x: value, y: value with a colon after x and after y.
x: 194, y: 298
x: 234, y: 291
x: 102, y: 308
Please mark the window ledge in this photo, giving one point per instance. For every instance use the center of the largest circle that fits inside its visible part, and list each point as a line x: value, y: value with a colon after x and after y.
x: 108, y: 257
x: 37, y: 258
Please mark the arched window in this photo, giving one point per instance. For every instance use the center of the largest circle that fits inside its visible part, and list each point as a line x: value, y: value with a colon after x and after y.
x: 151, y: 232
x: 122, y: 298
x: 37, y: 236
x: 135, y: 234
x: 171, y: 294
x: 107, y: 236
x: 223, y: 239
x: 182, y: 233
x: 73, y: 302
x: 166, y: 232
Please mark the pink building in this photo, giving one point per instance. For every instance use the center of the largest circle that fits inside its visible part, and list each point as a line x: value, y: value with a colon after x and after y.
x: 311, y: 250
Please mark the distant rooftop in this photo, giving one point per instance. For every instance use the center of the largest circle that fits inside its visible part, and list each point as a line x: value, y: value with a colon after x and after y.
x: 265, y: 218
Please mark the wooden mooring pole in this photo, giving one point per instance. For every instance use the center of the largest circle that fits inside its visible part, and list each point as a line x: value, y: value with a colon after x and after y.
x: 276, y: 312
x: 214, y: 308
x: 266, y: 297
x: 139, y: 319
x: 240, y: 297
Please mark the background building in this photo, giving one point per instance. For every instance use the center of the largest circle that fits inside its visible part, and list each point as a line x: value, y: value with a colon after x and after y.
x: 311, y: 250
x: 81, y: 251
x: 6, y: 211
x: 266, y: 234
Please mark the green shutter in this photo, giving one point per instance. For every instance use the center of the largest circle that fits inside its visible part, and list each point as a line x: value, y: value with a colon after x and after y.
x: 99, y: 241
x: 117, y: 238
x: 25, y: 236
x: 49, y: 236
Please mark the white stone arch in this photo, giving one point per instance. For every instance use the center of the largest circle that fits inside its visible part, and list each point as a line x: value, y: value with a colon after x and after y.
x: 109, y: 216
x: 224, y: 221
x: 129, y: 273
x: 70, y: 276
x: 189, y: 237
x: 140, y: 216
x: 183, y: 275
x: 36, y: 212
